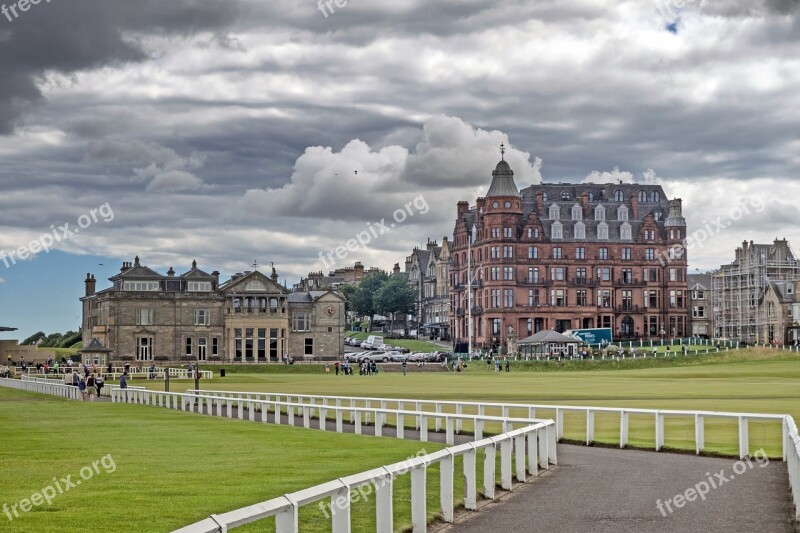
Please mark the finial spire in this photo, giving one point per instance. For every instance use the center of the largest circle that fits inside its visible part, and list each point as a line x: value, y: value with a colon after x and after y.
x: 255, y: 265
x: 503, y: 151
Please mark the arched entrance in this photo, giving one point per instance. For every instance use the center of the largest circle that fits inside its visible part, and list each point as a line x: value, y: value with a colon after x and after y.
x: 627, y: 327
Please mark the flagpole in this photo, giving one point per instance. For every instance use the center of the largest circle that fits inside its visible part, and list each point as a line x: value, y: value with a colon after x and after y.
x: 469, y: 297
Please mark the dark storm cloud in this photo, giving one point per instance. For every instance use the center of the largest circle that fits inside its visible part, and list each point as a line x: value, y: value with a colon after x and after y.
x: 83, y: 34
x: 207, y: 124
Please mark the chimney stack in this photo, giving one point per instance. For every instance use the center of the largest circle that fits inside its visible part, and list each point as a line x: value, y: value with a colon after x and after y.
x: 90, y: 284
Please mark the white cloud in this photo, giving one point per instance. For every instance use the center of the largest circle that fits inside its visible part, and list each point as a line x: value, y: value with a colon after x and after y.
x: 173, y: 181
x: 360, y: 182
x: 615, y: 176
x: 2, y: 280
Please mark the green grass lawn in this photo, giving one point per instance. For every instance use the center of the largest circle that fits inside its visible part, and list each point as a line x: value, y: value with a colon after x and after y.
x: 759, y: 381
x: 170, y: 468
x: 174, y: 468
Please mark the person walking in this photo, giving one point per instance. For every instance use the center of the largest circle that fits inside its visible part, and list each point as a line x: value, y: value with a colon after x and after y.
x: 327, y: 368
x: 336, y: 367
x: 405, y: 367
x: 99, y: 382
x: 82, y: 389
x: 488, y: 363
x: 508, y: 365
x: 91, y: 390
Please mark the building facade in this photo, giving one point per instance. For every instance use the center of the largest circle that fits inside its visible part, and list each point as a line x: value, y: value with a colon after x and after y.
x: 569, y: 256
x: 428, y: 271
x: 753, y: 297
x: 700, y: 305
x: 147, y: 316
x: 317, y: 281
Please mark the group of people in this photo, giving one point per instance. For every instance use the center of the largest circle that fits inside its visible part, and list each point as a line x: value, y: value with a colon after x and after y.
x: 89, y: 384
x: 343, y: 367
x: 498, y: 364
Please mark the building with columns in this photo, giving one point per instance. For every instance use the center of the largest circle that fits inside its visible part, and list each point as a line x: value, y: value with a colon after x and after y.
x: 559, y: 256
x: 146, y: 316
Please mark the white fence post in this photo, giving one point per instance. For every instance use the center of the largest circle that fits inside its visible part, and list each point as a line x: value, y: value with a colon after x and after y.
x: 623, y: 428
x: 744, y: 437
x: 589, y: 426
x: 419, y: 513
x: 505, y: 464
x: 383, y: 505
x: 446, y: 468
x: 470, y: 480
x: 659, y: 430
x: 489, y: 471
x: 699, y: 433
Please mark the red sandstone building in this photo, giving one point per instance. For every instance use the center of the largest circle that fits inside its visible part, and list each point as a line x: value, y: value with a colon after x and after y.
x: 569, y: 256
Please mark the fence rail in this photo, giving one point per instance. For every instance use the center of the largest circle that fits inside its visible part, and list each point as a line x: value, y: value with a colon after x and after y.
x: 53, y: 389
x: 522, y: 452
x: 535, y: 439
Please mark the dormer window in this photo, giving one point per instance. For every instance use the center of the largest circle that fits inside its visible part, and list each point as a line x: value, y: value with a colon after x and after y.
x: 544, y: 196
x: 618, y: 196
x: 565, y: 196
x: 600, y: 213
x: 622, y: 214
x: 655, y: 197
x: 150, y: 286
x: 602, y: 231
x: 557, y: 231
x: 577, y: 212
x: 641, y: 196
x: 555, y: 212
x: 591, y: 196
x: 625, y: 232
x: 580, y: 230
x: 198, y: 286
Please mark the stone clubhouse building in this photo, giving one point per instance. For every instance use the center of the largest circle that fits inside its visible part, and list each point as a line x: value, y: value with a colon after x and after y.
x: 147, y: 316
x: 561, y: 256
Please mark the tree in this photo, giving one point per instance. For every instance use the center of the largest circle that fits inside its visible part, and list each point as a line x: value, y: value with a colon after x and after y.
x: 33, y: 339
x: 396, y: 296
x: 363, y: 301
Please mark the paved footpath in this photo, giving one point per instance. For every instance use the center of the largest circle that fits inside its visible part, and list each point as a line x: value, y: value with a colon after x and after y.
x: 611, y: 490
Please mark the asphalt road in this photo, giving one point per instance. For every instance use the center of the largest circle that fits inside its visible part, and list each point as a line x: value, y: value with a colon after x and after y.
x: 609, y: 490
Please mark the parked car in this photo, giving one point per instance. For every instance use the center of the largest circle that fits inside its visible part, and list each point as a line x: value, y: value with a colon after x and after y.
x: 416, y: 357
x: 354, y: 357
x: 376, y: 357
x: 396, y: 357
x: 435, y: 357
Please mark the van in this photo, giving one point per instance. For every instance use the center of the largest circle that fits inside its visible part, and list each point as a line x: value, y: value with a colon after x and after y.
x: 373, y: 342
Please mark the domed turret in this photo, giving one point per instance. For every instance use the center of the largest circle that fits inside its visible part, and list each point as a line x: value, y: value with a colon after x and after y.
x: 503, y: 179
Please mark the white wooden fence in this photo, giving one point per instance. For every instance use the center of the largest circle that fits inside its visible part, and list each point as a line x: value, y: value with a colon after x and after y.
x: 537, y: 437
x: 522, y: 452
x: 529, y: 410
x: 41, y: 387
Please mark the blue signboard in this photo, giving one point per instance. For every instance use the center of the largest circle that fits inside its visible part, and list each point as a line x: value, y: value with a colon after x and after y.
x: 592, y: 336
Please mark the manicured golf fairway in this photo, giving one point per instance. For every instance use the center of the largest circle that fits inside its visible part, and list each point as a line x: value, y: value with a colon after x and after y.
x: 171, y: 468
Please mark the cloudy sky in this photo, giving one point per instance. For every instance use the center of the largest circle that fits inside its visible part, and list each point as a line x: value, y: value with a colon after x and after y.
x: 246, y: 130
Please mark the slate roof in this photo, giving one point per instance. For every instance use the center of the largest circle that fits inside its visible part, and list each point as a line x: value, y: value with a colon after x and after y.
x: 502, y: 181
x: 548, y: 335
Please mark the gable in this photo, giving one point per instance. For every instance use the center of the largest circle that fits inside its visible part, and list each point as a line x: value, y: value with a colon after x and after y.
x: 254, y: 282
